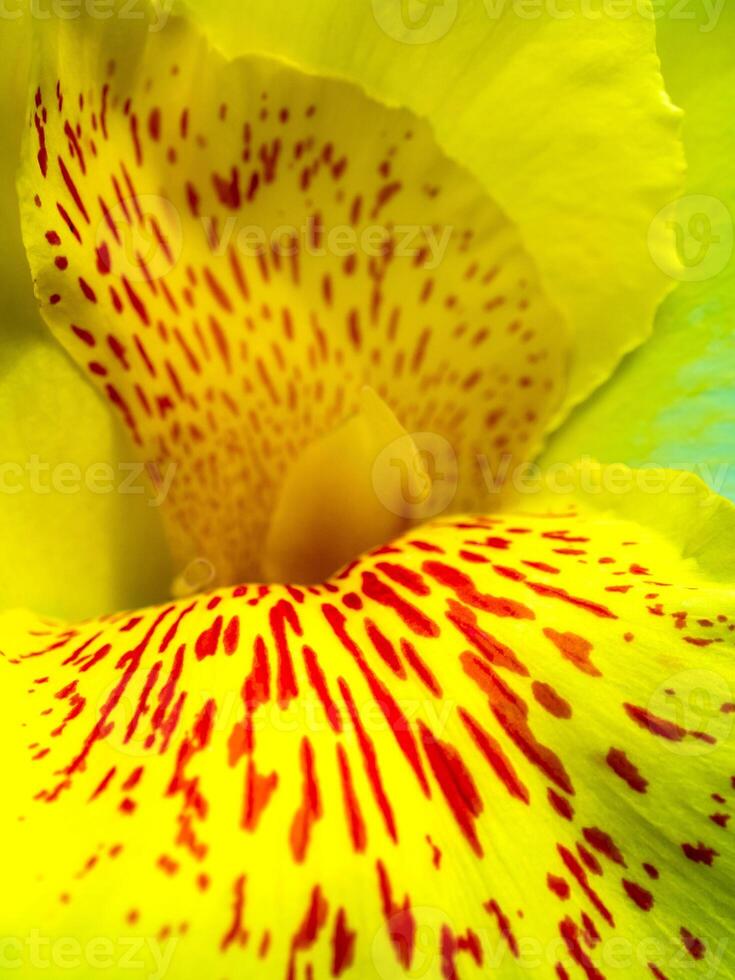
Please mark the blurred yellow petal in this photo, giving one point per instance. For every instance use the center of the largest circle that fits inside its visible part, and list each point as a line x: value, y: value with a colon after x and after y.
x: 672, y: 402
x: 79, y: 531
x: 73, y: 552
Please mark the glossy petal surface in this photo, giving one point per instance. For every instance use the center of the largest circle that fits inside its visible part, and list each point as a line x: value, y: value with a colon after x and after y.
x: 500, y: 744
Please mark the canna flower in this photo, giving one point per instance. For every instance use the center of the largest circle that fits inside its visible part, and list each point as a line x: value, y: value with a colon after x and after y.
x: 399, y: 708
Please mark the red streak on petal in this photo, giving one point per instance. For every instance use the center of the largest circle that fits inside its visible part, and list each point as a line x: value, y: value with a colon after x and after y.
x: 466, y: 592
x: 456, y: 784
x: 353, y: 812
x: 237, y: 933
x: 282, y: 614
x: 655, y: 725
x: 695, y: 947
x: 580, y: 875
x: 378, y: 591
x: 552, y: 592
x: 624, y: 768
x: 641, y: 896
x: 493, y: 753
x: 399, y: 919
x: 503, y: 925
x: 319, y: 682
x: 311, y: 807
x: 258, y: 792
x: 575, y: 649
x: 370, y: 761
x: 343, y: 944
x: 549, y: 699
x: 206, y: 644
x: 570, y: 935
x: 603, y: 843
x: 700, y: 853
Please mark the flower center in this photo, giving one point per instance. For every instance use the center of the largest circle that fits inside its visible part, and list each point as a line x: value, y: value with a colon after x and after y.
x: 305, y: 314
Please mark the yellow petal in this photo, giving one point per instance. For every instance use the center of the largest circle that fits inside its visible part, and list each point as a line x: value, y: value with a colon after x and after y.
x: 231, y: 260
x: 558, y: 109
x: 502, y: 746
x: 332, y: 507
x: 682, y: 383
x: 77, y: 508
x: 71, y: 545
